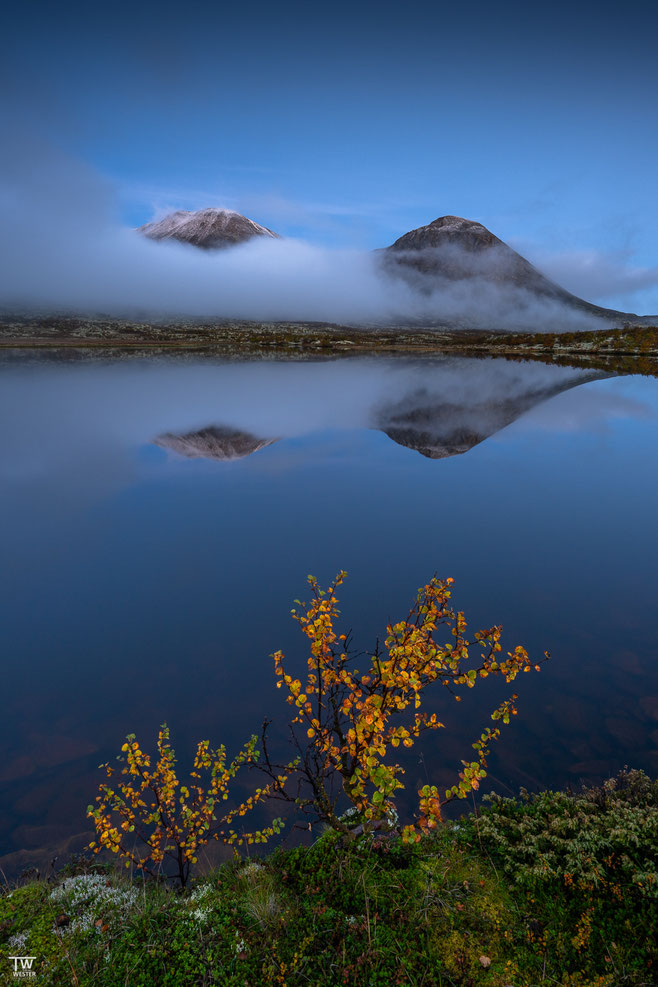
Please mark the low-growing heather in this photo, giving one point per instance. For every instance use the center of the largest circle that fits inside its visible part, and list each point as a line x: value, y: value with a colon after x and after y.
x: 585, y: 866
x: 556, y: 888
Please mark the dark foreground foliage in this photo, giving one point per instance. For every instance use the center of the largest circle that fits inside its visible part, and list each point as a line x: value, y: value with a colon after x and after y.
x: 555, y: 888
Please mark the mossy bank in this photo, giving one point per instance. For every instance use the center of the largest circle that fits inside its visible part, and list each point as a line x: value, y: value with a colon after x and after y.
x: 556, y: 888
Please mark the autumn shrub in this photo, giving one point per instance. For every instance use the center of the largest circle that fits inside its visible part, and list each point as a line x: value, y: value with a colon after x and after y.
x: 344, y: 726
x: 346, y: 722
x: 151, y: 820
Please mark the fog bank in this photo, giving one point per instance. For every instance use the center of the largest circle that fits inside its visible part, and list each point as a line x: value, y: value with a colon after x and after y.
x: 62, y: 249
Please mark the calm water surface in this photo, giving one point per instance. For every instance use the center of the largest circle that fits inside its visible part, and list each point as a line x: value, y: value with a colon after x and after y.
x: 159, y: 516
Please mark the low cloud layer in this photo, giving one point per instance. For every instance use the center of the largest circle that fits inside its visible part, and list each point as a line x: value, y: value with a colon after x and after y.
x: 609, y: 277
x: 63, y: 250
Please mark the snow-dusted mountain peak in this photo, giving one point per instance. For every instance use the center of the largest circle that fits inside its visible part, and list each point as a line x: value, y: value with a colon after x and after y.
x: 209, y: 228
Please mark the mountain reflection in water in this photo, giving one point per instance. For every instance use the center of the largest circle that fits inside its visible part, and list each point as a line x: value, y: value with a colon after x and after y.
x: 148, y: 582
x: 438, y: 428
x: 439, y: 409
x: 214, y: 442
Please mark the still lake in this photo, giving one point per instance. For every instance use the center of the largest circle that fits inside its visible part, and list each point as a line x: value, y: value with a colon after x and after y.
x: 160, y: 515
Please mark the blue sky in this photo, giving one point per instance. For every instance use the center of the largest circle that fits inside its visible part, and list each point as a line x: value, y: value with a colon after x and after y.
x: 348, y: 125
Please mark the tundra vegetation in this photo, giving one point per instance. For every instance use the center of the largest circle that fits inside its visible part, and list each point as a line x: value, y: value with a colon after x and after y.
x: 559, y: 887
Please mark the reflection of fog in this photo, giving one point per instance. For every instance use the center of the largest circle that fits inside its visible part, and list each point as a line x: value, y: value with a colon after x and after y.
x: 441, y: 408
x: 588, y: 409
x: 65, y: 421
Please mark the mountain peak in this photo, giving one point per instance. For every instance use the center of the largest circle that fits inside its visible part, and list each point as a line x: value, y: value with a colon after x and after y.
x: 208, y: 228
x: 465, y: 233
x: 454, y: 222
x: 454, y: 249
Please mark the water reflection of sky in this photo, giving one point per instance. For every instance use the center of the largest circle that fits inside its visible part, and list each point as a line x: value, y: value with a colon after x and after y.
x: 139, y: 585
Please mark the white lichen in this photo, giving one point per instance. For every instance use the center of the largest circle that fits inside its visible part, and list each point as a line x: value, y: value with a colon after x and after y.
x: 95, y: 899
x: 252, y: 870
x: 239, y: 946
x: 200, y: 891
x: 201, y: 915
x: 17, y: 941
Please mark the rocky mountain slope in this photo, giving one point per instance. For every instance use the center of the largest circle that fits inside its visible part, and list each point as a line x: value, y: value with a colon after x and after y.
x: 456, y: 249
x: 206, y: 228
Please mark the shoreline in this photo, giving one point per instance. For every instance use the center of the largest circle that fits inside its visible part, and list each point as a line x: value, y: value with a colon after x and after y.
x: 631, y: 349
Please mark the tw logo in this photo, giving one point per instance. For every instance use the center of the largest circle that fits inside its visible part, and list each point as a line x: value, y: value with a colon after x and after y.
x: 25, y: 969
